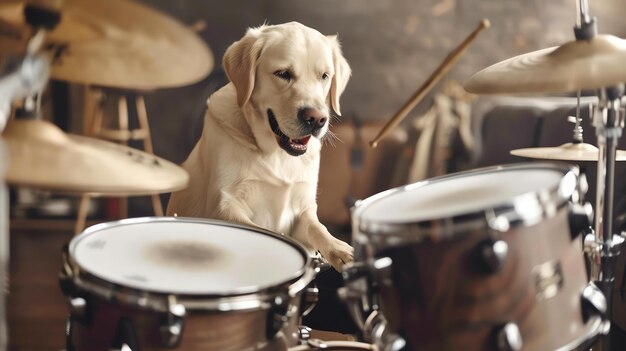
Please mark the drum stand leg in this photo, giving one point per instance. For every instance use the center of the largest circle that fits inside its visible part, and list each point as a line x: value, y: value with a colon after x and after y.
x: 125, y: 337
x: 603, y: 247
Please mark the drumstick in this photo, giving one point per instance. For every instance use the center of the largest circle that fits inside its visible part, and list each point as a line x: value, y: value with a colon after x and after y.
x: 435, y: 77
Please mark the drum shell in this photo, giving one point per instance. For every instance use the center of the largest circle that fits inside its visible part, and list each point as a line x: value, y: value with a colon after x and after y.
x: 203, y: 330
x: 439, y: 298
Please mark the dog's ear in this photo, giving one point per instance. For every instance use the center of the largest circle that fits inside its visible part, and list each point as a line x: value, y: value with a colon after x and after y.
x: 240, y: 63
x: 342, y: 74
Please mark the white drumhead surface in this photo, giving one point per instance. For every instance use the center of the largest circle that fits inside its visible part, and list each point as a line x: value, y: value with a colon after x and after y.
x: 458, y: 195
x: 186, y: 257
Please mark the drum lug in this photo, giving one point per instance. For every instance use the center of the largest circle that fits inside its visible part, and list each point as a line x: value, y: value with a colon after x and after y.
x: 172, y: 327
x: 508, y: 337
x: 382, y: 270
x: 278, y: 315
x: 79, y: 310
x: 492, y: 255
x: 593, y: 302
x: 78, y: 307
x: 580, y: 218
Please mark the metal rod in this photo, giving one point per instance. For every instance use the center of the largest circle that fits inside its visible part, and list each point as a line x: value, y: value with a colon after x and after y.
x: 578, y: 129
x: 608, y: 122
x: 582, y: 12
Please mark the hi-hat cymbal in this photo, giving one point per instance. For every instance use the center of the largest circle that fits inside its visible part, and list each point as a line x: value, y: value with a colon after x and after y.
x: 114, y: 43
x: 566, y: 152
x: 577, y: 65
x: 42, y: 156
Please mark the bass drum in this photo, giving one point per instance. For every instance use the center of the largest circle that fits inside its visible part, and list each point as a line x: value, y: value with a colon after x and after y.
x: 179, y: 283
x: 489, y: 259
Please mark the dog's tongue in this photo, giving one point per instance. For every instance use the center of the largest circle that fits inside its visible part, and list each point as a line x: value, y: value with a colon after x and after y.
x: 299, y: 144
x: 302, y: 141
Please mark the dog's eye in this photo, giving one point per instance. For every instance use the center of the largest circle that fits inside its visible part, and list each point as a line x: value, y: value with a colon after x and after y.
x: 283, y: 75
x: 325, y: 76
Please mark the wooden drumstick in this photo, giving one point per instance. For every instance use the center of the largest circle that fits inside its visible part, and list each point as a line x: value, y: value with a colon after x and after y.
x: 434, y: 78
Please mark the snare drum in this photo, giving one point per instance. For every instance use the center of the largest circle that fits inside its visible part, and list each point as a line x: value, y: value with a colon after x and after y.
x: 180, y: 283
x: 489, y: 259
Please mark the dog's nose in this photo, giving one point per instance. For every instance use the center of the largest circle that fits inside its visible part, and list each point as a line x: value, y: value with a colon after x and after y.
x: 312, y: 117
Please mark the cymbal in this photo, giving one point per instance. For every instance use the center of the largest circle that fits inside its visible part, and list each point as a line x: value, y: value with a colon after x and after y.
x: 42, y: 156
x: 576, y: 65
x: 566, y: 152
x: 114, y: 43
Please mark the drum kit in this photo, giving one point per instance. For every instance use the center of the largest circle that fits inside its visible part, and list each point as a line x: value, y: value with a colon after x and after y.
x: 487, y: 259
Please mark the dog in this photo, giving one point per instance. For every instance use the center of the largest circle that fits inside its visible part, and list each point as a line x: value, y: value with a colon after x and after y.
x: 257, y: 161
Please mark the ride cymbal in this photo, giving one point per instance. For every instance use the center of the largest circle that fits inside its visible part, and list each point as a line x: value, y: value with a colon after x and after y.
x: 114, y: 43
x: 42, y: 156
x: 566, y: 152
x: 576, y: 65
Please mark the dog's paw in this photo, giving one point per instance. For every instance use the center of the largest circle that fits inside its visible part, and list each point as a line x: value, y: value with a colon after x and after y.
x: 338, y: 253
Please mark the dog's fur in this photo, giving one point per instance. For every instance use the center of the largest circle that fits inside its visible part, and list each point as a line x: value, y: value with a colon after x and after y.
x: 239, y: 171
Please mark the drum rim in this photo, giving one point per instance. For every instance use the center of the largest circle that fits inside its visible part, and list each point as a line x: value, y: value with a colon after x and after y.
x: 244, y: 299
x: 549, y: 201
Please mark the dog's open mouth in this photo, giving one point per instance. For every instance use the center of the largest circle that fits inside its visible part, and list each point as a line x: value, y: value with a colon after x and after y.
x: 293, y: 146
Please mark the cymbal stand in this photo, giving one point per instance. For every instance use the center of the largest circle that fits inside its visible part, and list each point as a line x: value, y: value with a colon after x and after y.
x: 23, y: 82
x: 603, y: 247
x: 26, y: 81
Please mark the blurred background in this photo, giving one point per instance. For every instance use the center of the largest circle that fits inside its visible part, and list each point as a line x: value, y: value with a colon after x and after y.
x: 392, y: 47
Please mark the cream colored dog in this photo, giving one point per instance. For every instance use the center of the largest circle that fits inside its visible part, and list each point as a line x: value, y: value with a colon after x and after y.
x: 257, y: 161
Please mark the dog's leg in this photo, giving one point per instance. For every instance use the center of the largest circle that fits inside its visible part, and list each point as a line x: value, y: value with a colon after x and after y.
x: 232, y: 209
x: 309, y: 231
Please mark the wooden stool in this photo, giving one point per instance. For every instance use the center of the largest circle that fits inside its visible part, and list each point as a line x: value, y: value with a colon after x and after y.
x: 94, y: 117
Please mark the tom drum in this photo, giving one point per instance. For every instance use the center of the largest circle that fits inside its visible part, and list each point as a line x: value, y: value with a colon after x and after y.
x: 489, y: 259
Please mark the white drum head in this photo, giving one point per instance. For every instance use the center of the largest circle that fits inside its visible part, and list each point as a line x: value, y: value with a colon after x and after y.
x: 186, y: 257
x: 459, y: 195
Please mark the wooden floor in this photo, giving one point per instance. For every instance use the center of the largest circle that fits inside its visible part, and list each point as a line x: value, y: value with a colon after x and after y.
x: 36, y: 307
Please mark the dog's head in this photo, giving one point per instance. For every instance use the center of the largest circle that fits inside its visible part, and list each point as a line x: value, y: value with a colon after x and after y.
x: 294, y: 75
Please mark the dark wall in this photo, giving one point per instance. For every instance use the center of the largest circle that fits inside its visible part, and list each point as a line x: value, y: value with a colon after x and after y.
x: 392, y: 46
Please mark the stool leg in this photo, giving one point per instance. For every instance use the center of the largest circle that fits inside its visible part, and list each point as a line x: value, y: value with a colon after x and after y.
x: 142, y: 116
x: 122, y: 114
x: 93, y: 110
x: 88, y: 111
x: 82, y: 214
x: 157, y: 205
